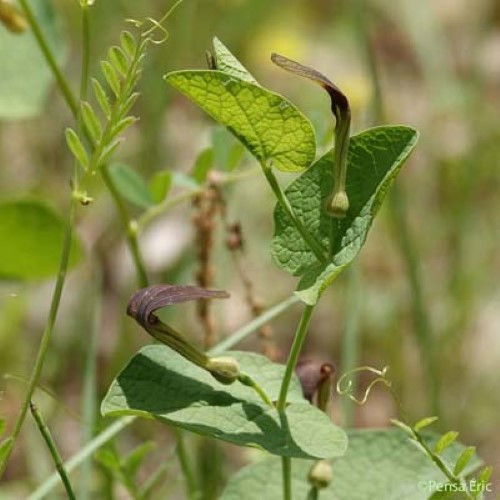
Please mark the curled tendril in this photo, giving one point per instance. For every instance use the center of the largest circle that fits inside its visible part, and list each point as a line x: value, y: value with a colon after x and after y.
x: 344, y: 384
x: 155, y: 25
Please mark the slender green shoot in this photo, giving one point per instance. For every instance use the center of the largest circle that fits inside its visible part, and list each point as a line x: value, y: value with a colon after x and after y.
x: 51, y: 445
x: 186, y: 467
x: 286, y: 471
x: 293, y: 357
x: 421, y: 321
x: 48, y: 331
x: 312, y: 243
x: 350, y: 346
x: 49, y: 57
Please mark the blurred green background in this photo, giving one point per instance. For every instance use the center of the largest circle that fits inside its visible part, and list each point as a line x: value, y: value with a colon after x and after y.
x: 423, y: 297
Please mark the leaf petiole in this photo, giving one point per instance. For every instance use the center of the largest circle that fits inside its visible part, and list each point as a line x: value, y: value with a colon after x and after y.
x: 312, y: 243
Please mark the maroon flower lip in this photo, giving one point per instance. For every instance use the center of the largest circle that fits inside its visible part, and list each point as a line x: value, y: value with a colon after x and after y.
x: 146, y: 301
x: 338, y: 203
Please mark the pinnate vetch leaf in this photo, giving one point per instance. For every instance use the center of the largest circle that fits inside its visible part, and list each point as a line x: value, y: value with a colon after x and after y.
x: 32, y: 234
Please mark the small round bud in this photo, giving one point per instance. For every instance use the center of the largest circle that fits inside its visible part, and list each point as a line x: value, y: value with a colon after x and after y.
x: 224, y: 368
x: 12, y: 18
x: 320, y: 475
x: 338, y: 205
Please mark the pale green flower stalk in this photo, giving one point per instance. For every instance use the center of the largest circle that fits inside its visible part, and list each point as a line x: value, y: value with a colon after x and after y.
x: 338, y: 203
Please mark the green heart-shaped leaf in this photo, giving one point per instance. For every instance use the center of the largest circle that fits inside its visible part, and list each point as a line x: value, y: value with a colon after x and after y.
x: 32, y: 236
x: 379, y: 464
x: 158, y: 383
x: 131, y: 185
x: 25, y: 77
x: 374, y: 160
x: 228, y: 63
x: 270, y: 126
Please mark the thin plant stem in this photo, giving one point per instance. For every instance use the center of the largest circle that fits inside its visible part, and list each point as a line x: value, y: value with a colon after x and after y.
x: 254, y: 325
x: 87, y: 451
x: 101, y: 439
x: 422, y: 325
x: 89, y: 396
x: 51, y: 445
x: 313, y: 493
x: 293, y: 357
x: 84, y: 77
x: 129, y: 225
x: 421, y: 322
x: 149, y: 215
x: 286, y: 471
x: 154, y: 480
x: 441, y: 465
x: 71, y: 101
x: 312, y: 243
x: 49, y: 57
x: 250, y: 382
x: 49, y: 328
x: 350, y: 340
x: 187, y: 471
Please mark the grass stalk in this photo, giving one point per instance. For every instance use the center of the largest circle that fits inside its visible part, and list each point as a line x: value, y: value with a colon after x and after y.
x: 51, y: 445
x: 350, y: 347
x: 49, y: 57
x: 293, y: 357
x: 48, y: 331
x: 187, y: 470
x: 286, y: 470
x: 421, y: 322
x: 89, y: 397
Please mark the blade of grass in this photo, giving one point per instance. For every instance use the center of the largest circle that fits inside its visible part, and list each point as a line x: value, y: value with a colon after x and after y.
x: 51, y: 445
x: 407, y: 245
x: 351, y: 337
x: 47, y: 333
x: 293, y: 357
x: 89, y: 399
x: 88, y: 450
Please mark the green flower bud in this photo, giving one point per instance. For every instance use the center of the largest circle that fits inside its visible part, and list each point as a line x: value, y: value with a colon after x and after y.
x: 12, y: 18
x: 338, y: 205
x: 223, y: 368
x: 320, y: 474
